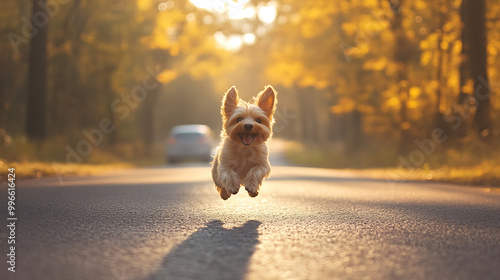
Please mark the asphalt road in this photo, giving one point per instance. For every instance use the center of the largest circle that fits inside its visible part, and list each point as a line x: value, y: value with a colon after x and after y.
x: 169, y: 223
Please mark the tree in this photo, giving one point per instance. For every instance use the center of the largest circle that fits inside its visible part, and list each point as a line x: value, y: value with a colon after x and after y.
x: 402, y: 59
x: 465, y: 52
x: 36, y: 111
x: 479, y: 71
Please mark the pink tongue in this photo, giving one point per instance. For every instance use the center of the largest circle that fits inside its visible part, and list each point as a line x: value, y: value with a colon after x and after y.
x: 247, y: 139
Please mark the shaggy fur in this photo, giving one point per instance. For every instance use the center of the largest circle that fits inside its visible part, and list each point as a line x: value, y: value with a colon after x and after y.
x: 242, y: 157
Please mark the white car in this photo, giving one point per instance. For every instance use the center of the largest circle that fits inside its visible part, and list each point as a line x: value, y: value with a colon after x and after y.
x: 193, y: 141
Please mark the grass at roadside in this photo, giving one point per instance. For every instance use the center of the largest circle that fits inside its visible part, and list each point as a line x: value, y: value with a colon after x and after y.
x: 472, y: 167
x: 51, y: 158
x: 45, y: 169
x: 38, y: 169
x: 477, y: 175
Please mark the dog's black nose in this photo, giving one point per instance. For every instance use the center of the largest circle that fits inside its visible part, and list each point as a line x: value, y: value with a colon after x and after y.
x: 248, y: 127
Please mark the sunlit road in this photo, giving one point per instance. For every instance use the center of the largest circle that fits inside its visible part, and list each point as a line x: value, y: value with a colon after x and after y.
x: 169, y: 223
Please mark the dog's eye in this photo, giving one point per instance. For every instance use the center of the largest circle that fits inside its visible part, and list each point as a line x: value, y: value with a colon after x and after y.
x: 239, y: 120
x: 258, y: 120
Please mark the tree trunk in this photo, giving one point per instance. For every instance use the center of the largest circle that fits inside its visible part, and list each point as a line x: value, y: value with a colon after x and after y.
x: 36, y: 111
x: 355, y: 135
x: 304, y: 131
x: 478, y: 63
x: 308, y: 115
x: 465, y: 52
x: 148, y: 119
x: 441, y: 56
x: 402, y: 53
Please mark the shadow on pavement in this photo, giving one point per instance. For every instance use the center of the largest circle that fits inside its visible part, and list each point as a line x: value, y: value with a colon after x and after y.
x: 212, y: 252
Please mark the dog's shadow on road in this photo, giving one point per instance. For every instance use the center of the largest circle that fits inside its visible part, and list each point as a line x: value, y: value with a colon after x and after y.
x: 212, y: 252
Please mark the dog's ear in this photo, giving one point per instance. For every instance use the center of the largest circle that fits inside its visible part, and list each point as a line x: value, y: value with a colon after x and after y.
x: 267, y: 100
x: 229, y: 102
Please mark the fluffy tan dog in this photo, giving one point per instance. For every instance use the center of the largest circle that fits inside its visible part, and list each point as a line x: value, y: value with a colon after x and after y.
x: 242, y: 158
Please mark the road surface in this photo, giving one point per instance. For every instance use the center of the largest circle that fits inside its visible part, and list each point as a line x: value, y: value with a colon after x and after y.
x: 307, y: 223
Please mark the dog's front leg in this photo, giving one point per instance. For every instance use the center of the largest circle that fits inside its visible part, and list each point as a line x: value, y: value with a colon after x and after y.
x: 254, y: 178
x: 230, y: 180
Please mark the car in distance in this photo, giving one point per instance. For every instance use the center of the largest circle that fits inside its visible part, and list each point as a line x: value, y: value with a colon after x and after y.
x: 194, y: 141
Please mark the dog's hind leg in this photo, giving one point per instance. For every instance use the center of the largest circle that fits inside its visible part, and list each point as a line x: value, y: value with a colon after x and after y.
x: 215, y: 177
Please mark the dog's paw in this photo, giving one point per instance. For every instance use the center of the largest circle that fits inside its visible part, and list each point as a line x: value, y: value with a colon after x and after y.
x: 224, y: 194
x: 253, y: 191
x: 235, y: 190
x: 253, y: 194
